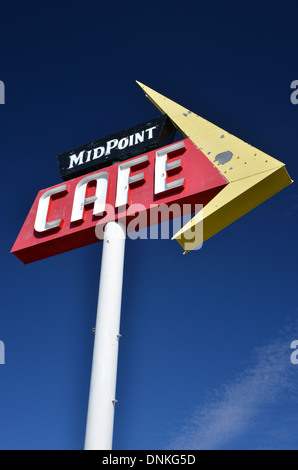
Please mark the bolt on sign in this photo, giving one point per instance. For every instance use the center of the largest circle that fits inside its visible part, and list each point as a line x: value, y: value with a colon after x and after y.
x: 106, y: 179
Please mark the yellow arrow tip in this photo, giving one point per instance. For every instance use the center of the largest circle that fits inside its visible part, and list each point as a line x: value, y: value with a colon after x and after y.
x: 140, y: 84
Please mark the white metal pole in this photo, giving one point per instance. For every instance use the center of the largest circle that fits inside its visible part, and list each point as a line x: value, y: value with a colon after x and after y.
x: 100, y: 417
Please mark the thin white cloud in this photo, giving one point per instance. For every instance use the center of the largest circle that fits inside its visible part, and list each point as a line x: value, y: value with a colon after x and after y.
x: 239, y: 405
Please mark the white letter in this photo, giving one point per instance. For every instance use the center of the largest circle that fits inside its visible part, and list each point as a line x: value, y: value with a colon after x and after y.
x: 294, y: 355
x: 41, y: 224
x: 161, y: 168
x: 88, y: 156
x: 150, y: 132
x: 111, y: 144
x: 95, y: 152
x: 124, y: 179
x: 2, y: 92
x: 76, y: 160
x: 150, y: 459
x: 123, y: 143
x: 99, y: 199
x: 139, y: 137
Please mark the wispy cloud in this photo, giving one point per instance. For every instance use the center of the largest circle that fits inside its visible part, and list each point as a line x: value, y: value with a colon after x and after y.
x: 240, y: 405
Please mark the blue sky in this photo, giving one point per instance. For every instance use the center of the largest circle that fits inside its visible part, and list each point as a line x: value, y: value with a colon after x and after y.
x: 204, y: 358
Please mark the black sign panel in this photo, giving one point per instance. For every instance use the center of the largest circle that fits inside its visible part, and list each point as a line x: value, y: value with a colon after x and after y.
x: 129, y: 143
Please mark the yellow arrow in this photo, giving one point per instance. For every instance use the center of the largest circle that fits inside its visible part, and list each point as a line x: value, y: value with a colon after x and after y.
x: 253, y: 175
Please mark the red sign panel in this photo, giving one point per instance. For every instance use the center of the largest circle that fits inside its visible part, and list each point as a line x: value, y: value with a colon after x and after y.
x: 74, y: 213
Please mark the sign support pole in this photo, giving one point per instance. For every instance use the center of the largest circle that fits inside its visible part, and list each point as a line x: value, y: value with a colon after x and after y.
x: 100, y: 416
